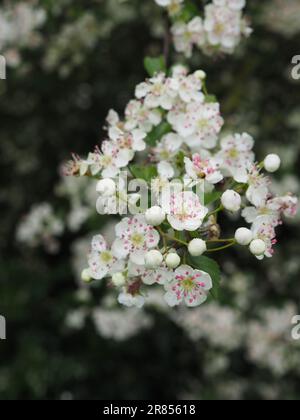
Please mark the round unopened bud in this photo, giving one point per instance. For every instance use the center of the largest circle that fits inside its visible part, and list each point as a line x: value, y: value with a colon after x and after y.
x: 153, y: 259
x: 118, y: 279
x: 106, y: 187
x: 201, y: 74
x: 155, y: 216
x: 173, y: 260
x: 86, y: 275
x: 197, y: 247
x: 243, y: 236
x: 272, y: 163
x: 258, y: 247
x: 231, y: 200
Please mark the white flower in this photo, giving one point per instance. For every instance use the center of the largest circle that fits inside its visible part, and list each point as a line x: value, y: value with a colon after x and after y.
x: 264, y: 230
x: 155, y: 216
x: 157, y: 92
x: 231, y: 200
x: 130, y: 300
x: 199, y: 168
x: 232, y: 4
x: 223, y: 27
x: 243, y: 236
x: 167, y: 148
x: 189, y: 286
x: 106, y: 187
x: 158, y: 275
x: 153, y: 259
x: 197, y: 247
x: 111, y: 160
x: 186, y: 35
x: 258, y: 190
x: 200, y: 125
x: 139, y: 116
x: 286, y: 205
x: 165, y: 170
x: 173, y: 260
x: 186, y: 211
x: 189, y: 87
x: 101, y: 260
x: 268, y: 209
x: 135, y: 238
x: 236, y: 155
x: 272, y: 163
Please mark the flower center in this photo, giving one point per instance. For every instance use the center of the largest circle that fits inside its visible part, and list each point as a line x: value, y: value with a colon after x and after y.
x: 188, y: 284
x: 106, y: 257
x: 137, y: 239
x: 203, y: 123
x: 233, y: 153
x: 106, y: 161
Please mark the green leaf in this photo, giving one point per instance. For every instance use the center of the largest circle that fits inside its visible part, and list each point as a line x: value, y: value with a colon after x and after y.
x: 210, y: 266
x: 210, y: 99
x: 212, y: 197
x: 157, y: 133
x: 189, y: 11
x: 155, y: 65
x: 147, y: 173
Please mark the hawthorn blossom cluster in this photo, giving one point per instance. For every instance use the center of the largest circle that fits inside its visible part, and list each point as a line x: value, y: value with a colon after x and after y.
x: 18, y: 28
x: 172, y: 129
x: 220, y: 29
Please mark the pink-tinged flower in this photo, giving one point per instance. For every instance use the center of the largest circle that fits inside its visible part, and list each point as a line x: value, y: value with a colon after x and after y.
x: 101, y: 261
x: 109, y: 159
x: 224, y: 27
x: 267, y: 210
x: 139, y: 116
x: 258, y: 191
x: 167, y: 148
x: 189, y: 286
x: 236, y: 155
x: 200, y: 125
x: 264, y: 229
x: 232, y: 4
x: 186, y: 35
x: 189, y: 87
x: 157, y: 92
x: 134, y: 239
x: 287, y: 205
x: 186, y: 211
x: 161, y: 275
x: 203, y: 169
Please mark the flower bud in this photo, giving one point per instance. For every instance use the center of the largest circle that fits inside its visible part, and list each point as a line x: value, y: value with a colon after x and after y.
x: 173, y: 260
x: 243, y: 236
x: 106, y: 187
x: 197, y: 247
x: 86, y: 275
x: 153, y: 259
x: 258, y: 247
x: 272, y: 163
x: 200, y: 74
x: 155, y: 216
x: 231, y: 200
x: 118, y: 279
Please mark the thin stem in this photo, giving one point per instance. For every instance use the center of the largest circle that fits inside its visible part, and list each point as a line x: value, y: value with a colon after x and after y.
x: 215, y: 211
x: 222, y: 247
x: 167, y: 42
x: 170, y: 238
x: 221, y: 240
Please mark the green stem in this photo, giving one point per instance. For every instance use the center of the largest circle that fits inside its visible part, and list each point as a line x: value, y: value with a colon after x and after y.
x: 222, y: 247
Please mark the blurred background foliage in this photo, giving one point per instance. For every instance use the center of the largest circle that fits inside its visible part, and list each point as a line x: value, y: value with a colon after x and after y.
x: 58, y: 91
